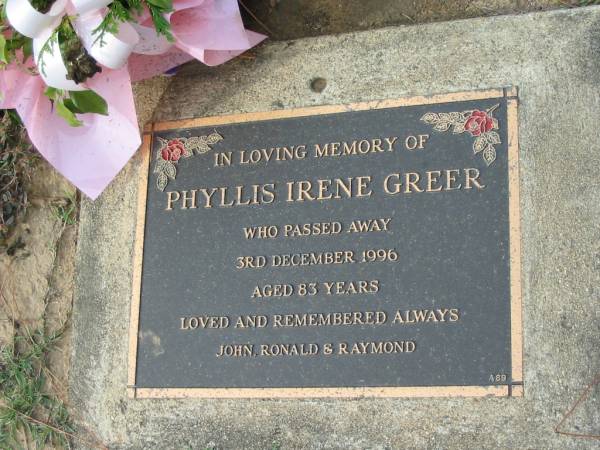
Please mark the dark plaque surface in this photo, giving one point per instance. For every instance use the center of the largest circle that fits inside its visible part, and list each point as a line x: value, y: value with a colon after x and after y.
x: 365, y: 249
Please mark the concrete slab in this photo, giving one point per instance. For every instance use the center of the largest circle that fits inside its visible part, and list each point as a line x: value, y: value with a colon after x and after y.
x: 554, y: 59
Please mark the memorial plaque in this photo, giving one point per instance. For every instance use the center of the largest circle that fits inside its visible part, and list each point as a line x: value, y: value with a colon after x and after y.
x: 368, y: 249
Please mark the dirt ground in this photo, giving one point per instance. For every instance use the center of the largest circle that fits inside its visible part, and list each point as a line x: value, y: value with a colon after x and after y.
x: 36, y: 284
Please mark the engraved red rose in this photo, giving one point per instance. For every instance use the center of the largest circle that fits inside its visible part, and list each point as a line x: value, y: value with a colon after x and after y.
x: 173, y: 151
x: 479, y: 122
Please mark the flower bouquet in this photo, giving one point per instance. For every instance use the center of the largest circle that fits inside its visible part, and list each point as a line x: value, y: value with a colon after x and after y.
x: 67, y: 66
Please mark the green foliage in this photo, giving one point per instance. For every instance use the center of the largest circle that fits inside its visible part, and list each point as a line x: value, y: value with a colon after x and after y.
x: 17, y: 158
x: 12, y: 44
x: 157, y: 10
x: 58, y: 98
x: 3, y: 55
x: 70, y: 103
x: 47, y: 49
x: 42, y: 6
x: 121, y: 11
x: 27, y: 411
x: 88, y: 102
x: 17, y: 49
x: 80, y: 65
x: 63, y: 111
x: 66, y: 210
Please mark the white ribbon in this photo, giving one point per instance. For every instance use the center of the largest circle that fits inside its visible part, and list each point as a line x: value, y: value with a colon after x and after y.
x: 111, y: 50
x: 28, y: 21
x: 51, y: 65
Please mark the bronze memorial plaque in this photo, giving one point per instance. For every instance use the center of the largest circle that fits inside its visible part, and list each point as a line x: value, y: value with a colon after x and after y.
x: 366, y: 249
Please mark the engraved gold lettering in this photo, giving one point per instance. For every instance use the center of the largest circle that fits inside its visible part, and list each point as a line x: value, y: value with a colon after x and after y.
x: 205, y: 322
x: 348, y: 318
x: 473, y: 177
x: 412, y: 178
x: 395, y: 179
x: 303, y: 191
x: 321, y: 151
x: 236, y: 350
x: 289, y: 349
x: 438, y: 315
x: 250, y: 262
x: 377, y: 145
x: 268, y: 194
x: 313, y: 259
x: 224, y: 203
x: 431, y: 181
x: 351, y: 287
x: 272, y: 290
x: 349, y: 149
x: 369, y: 226
x: 356, y: 147
x: 432, y: 178
x: 251, y: 321
x: 324, y: 186
x: 376, y: 348
x: 335, y: 146
x: 363, y: 187
x: 261, y: 232
x: 451, y: 179
x: 416, y: 142
x: 189, y: 197
x: 312, y: 229
x: 390, y: 142
x: 323, y: 189
x: 172, y: 196
x: 208, y: 193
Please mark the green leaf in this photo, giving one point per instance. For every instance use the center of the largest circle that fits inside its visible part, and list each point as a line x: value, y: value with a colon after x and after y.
x: 163, y: 4
x: 67, y: 114
x: 52, y: 93
x: 71, y: 106
x: 27, y: 49
x: 89, y: 102
x: 3, y: 56
x: 161, y: 24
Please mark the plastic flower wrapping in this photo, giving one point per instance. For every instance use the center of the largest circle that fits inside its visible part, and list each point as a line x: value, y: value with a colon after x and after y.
x: 67, y: 66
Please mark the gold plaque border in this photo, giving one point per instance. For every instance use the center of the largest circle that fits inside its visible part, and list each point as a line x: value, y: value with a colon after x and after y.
x: 514, y: 389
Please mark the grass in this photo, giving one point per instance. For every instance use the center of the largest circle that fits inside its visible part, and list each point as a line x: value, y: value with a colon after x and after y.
x: 17, y: 158
x: 30, y: 417
x: 66, y: 210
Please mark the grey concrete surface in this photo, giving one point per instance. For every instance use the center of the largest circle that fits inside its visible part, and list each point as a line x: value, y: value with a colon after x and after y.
x: 554, y: 59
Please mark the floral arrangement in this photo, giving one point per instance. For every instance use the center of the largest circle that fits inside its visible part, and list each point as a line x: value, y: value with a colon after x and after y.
x: 67, y: 66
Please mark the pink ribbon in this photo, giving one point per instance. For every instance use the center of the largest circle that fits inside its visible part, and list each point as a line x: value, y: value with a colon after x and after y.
x: 92, y: 155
